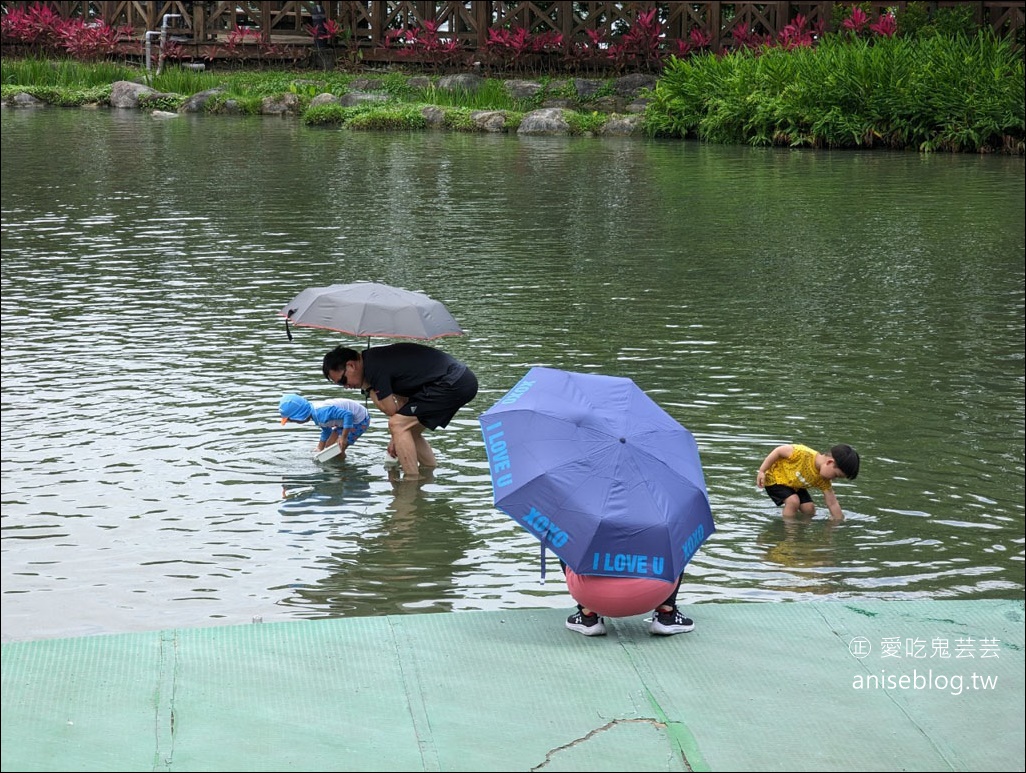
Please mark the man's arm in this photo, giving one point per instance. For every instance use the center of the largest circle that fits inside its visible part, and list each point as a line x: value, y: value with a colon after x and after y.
x: 387, y: 405
x: 390, y: 404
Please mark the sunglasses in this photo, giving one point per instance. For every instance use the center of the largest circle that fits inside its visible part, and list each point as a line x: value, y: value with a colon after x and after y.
x: 343, y: 380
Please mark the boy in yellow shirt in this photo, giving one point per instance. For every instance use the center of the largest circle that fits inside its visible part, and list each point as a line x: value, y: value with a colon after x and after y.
x: 789, y: 471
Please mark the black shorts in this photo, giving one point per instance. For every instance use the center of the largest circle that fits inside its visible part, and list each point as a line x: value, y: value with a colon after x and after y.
x: 779, y: 493
x: 436, y: 403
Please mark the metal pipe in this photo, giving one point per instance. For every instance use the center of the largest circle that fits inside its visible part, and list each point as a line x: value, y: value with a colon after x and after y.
x: 149, y: 48
x: 163, y: 39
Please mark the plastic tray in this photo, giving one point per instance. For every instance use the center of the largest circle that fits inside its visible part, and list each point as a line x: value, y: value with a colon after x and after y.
x: 328, y: 453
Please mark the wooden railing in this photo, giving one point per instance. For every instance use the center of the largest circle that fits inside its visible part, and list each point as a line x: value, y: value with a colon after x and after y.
x: 366, y: 25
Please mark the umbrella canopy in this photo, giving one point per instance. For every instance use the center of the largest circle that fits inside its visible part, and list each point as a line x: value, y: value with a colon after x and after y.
x: 371, y: 309
x: 599, y: 473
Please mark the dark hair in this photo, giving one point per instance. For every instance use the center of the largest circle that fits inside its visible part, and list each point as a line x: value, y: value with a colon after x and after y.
x: 336, y: 359
x: 847, y: 460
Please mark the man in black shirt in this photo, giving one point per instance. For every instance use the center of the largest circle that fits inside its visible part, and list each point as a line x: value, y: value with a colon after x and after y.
x: 416, y: 386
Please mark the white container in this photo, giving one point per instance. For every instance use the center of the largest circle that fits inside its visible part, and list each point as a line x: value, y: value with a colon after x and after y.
x: 328, y: 453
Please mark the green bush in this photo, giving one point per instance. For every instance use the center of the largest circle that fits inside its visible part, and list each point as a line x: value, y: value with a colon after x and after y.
x: 912, y: 18
x: 167, y: 102
x: 324, y: 115
x: 933, y: 93
x: 585, y: 123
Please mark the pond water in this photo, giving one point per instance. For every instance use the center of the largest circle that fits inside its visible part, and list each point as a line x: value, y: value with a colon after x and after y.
x: 760, y: 296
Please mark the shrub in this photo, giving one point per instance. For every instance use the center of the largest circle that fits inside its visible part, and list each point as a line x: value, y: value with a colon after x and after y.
x: 934, y: 93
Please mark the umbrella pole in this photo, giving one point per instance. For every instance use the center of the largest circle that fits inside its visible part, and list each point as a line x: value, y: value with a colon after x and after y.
x: 366, y: 397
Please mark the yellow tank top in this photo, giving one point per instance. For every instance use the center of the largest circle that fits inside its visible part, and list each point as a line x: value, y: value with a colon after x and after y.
x: 797, y: 471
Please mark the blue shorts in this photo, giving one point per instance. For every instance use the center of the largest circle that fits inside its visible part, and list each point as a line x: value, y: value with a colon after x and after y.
x: 356, y: 430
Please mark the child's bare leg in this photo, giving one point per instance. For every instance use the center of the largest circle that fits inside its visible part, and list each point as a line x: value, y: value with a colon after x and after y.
x: 791, y: 505
x: 808, y: 509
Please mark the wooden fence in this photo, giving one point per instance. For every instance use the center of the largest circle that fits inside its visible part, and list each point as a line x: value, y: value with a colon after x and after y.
x: 366, y: 26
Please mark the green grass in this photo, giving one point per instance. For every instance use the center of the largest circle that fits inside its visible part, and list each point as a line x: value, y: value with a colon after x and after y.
x: 63, y: 73
x: 960, y: 93
x: 492, y: 95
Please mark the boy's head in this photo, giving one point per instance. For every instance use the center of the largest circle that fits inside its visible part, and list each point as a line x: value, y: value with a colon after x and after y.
x: 846, y: 459
x: 294, y: 408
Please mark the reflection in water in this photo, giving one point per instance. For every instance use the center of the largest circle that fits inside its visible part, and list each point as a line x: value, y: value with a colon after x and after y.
x: 401, y: 558
x: 757, y: 295
x: 801, y: 551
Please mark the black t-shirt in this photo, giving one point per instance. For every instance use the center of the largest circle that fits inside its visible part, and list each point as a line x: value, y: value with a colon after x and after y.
x: 403, y: 368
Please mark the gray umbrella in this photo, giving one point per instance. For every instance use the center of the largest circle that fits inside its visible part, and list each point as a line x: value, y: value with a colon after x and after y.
x: 371, y: 309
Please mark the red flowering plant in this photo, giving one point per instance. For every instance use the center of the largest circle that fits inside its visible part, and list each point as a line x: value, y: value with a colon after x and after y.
x: 886, y: 26
x: 42, y: 30
x: 509, y: 48
x: 328, y: 31
x: 857, y: 23
x: 798, y: 34
x: 746, y: 37
x: 587, y: 55
x: 236, y: 45
x: 426, y: 43
x: 176, y: 52
x: 699, y: 39
x: 642, y: 45
x: 37, y: 27
x: 91, y: 41
x: 278, y: 54
x: 696, y: 42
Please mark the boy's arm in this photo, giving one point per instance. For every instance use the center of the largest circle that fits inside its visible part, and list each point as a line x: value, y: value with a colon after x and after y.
x: 778, y: 453
x: 343, y: 432
x: 326, y: 433
x: 830, y: 500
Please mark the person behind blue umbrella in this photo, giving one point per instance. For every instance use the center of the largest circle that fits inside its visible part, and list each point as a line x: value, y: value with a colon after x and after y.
x: 622, y: 597
x: 341, y: 420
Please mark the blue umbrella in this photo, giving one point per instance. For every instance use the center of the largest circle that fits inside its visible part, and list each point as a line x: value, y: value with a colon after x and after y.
x: 599, y: 473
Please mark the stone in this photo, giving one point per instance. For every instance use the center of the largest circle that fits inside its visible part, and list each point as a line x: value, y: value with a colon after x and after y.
x: 548, y: 120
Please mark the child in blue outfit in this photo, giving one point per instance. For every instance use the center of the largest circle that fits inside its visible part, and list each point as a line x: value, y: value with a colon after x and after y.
x: 341, y: 420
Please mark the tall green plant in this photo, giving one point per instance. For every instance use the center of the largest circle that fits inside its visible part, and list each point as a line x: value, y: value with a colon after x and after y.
x: 936, y: 93
x: 63, y: 73
x: 176, y: 80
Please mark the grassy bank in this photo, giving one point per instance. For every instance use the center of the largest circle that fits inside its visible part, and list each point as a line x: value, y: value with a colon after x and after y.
x: 941, y: 93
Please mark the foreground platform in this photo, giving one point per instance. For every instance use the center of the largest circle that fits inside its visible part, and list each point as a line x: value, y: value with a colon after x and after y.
x: 844, y: 685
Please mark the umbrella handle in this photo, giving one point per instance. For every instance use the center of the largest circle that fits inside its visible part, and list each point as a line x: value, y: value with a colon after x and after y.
x: 287, y: 318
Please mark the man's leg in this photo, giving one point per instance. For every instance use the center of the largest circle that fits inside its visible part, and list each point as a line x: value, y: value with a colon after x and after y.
x: 425, y: 454
x: 405, y: 431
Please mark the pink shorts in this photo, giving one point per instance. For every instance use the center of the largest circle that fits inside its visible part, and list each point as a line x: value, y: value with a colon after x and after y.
x: 617, y: 596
